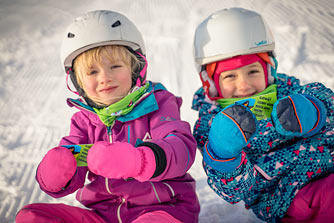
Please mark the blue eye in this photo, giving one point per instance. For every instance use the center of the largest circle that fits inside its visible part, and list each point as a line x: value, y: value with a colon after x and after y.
x: 228, y: 76
x: 92, y: 72
x: 115, y: 66
x: 253, y: 71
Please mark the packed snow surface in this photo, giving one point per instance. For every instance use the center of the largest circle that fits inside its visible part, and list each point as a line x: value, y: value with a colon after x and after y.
x: 34, y: 115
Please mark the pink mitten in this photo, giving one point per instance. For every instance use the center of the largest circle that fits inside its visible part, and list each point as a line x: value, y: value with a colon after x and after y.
x: 56, y: 169
x: 121, y: 160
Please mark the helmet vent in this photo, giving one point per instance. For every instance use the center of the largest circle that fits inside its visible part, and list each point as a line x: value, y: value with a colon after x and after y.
x: 117, y: 23
x: 70, y: 35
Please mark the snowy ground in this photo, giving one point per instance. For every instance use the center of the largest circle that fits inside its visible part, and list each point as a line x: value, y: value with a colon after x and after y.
x: 34, y: 115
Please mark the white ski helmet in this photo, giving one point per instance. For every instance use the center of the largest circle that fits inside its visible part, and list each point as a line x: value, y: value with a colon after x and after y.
x: 99, y: 28
x: 230, y: 32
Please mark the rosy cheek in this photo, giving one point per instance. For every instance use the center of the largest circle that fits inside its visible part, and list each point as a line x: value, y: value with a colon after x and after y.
x: 226, y: 88
x: 90, y: 86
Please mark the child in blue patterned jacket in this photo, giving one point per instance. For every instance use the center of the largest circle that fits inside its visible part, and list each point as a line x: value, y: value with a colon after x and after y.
x: 265, y: 139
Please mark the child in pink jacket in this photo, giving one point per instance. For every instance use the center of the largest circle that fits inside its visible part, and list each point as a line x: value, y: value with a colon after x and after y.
x: 141, y: 149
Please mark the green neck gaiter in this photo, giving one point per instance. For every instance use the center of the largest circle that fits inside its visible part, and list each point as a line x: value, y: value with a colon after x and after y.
x: 260, y: 104
x: 122, y: 107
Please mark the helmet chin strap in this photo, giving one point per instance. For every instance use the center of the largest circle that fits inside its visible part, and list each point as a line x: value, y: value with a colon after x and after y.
x: 141, y: 79
x: 69, y: 72
x: 67, y: 85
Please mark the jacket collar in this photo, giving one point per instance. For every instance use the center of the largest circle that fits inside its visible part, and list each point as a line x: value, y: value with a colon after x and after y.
x: 147, y: 105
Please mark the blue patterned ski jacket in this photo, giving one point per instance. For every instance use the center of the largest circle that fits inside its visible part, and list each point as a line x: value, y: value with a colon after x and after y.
x: 275, y: 167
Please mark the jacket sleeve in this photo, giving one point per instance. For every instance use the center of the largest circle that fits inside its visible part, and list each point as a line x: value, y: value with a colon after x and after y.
x: 172, y: 141
x: 78, y: 135
x: 206, y: 113
x: 236, y: 185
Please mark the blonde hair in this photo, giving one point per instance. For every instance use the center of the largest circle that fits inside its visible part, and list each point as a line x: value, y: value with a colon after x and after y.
x: 87, y: 59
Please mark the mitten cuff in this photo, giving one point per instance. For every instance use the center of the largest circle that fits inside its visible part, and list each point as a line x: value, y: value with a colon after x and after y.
x: 148, y: 164
x: 160, y: 157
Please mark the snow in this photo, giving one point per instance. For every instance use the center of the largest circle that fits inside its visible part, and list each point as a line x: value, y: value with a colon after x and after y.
x: 34, y: 115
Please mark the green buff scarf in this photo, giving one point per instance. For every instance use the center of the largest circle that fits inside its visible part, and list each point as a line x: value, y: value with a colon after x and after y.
x: 260, y: 104
x: 122, y: 107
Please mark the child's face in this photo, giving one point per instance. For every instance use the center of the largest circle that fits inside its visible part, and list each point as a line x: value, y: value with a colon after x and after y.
x: 107, y: 82
x: 242, y: 82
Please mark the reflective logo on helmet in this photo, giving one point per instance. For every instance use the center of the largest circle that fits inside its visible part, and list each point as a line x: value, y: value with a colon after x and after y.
x: 263, y: 42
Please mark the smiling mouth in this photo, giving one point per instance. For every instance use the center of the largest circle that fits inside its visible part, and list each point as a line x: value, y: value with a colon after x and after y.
x: 245, y: 96
x: 107, y: 89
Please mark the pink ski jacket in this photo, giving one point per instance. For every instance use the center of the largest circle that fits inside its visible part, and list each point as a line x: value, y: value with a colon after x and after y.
x: 155, y: 121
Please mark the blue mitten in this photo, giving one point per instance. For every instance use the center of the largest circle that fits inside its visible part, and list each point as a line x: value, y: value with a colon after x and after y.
x: 230, y: 131
x: 298, y: 115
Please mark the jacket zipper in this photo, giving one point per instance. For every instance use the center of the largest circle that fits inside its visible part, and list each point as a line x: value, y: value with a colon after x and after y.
x: 109, y: 131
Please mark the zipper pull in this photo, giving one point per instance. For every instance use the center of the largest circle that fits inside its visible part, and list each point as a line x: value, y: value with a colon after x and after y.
x: 109, y: 133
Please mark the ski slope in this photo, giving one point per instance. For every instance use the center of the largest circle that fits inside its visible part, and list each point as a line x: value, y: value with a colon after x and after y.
x: 34, y: 115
